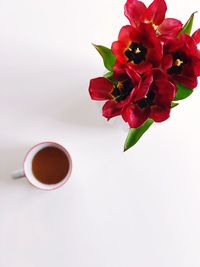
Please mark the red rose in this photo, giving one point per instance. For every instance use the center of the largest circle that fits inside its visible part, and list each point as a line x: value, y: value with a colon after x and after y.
x: 154, y: 15
x: 181, y: 60
x: 138, y: 47
x: 155, y: 103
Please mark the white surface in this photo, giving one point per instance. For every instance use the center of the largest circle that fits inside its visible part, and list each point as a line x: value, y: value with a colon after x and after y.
x: 140, y: 208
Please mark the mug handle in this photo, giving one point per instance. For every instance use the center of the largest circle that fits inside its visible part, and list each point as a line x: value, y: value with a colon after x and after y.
x: 18, y: 174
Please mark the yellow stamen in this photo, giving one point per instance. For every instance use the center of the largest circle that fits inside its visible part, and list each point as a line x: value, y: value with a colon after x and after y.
x: 137, y: 51
x: 119, y: 85
x: 178, y: 62
x: 156, y: 28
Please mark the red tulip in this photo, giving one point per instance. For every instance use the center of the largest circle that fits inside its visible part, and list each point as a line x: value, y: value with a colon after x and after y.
x: 155, y: 103
x: 196, y: 36
x: 138, y: 47
x: 154, y: 15
x: 119, y: 93
x: 181, y: 60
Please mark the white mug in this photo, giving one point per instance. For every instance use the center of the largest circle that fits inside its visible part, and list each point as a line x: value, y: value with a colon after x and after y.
x: 27, y: 171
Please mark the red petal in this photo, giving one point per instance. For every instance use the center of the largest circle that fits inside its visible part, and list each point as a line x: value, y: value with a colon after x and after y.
x: 125, y: 34
x: 167, y: 62
x: 118, y: 50
x: 196, y: 36
x: 100, y: 89
x: 120, y: 73
x: 158, y: 74
x: 149, y: 39
x: 111, y: 109
x: 188, y: 77
x: 135, y: 77
x: 119, y: 67
x: 173, y: 45
x: 155, y: 55
x: 156, y: 12
x: 170, y: 28
x: 135, y: 116
x: 159, y: 114
x: 143, y: 88
x: 197, y: 68
x: 188, y: 81
x: 190, y: 44
x: 133, y: 10
x: 165, y: 92
x: 140, y: 68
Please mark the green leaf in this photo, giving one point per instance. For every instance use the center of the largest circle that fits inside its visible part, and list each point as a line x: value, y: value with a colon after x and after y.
x: 173, y: 104
x: 183, y: 92
x: 187, y: 27
x: 136, y: 133
x: 107, y: 55
x: 108, y: 74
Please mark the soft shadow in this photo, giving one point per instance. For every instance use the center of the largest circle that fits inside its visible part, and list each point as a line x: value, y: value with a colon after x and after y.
x: 12, y: 157
x: 61, y: 95
x: 84, y: 113
x: 74, y: 106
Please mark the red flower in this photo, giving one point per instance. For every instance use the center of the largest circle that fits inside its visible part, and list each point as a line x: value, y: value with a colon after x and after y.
x: 196, y: 36
x: 181, y: 60
x: 155, y: 103
x: 118, y: 93
x: 138, y: 47
x: 137, y: 12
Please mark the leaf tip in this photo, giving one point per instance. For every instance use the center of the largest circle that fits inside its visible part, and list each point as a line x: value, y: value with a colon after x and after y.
x: 95, y: 46
x: 125, y: 149
x: 192, y: 15
x: 174, y: 104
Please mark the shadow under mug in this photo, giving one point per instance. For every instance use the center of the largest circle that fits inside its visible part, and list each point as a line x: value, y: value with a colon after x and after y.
x: 27, y: 170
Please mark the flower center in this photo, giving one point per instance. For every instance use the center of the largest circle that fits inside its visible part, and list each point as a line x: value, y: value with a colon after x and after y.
x: 122, y: 90
x: 179, y: 61
x: 136, y: 53
x: 147, y: 101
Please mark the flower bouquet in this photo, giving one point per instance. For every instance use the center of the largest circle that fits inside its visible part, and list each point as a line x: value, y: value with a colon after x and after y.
x: 153, y: 64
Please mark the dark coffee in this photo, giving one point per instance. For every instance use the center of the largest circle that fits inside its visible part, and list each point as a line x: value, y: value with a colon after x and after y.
x: 50, y: 165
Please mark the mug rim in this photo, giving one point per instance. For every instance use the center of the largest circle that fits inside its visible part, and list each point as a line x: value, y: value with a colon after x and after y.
x: 65, y: 179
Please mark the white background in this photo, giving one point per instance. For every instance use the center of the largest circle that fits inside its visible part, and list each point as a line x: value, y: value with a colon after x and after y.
x: 140, y: 208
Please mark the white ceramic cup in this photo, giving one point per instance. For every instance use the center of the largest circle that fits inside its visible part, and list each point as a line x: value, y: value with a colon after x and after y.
x: 27, y: 172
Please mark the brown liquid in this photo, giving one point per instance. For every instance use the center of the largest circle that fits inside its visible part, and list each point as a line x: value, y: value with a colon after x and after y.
x: 50, y: 165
